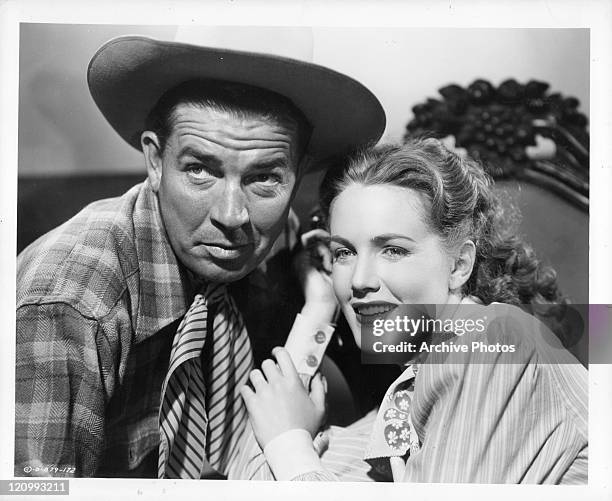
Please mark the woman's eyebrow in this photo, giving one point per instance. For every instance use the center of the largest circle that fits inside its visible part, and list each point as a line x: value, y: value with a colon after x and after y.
x: 377, y: 240
x: 381, y: 239
x: 339, y: 240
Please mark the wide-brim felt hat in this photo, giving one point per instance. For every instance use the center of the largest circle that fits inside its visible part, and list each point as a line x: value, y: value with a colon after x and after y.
x: 129, y: 74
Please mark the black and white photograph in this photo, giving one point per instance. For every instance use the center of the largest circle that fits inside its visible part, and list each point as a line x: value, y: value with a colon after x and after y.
x: 280, y: 253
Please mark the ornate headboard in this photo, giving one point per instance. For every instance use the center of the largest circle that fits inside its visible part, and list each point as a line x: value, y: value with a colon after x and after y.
x: 535, y: 144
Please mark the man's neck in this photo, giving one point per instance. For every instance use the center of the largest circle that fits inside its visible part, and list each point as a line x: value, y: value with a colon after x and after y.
x: 193, y: 283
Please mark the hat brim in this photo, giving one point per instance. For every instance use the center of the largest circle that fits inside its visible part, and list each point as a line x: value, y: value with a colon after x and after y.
x: 128, y: 75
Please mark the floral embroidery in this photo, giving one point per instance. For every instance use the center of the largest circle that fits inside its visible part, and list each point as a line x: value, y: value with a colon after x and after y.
x: 397, y: 436
x: 402, y: 400
x: 390, y: 413
x: 399, y: 433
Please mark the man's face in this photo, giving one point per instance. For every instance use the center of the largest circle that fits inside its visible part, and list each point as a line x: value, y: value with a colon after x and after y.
x: 224, y: 185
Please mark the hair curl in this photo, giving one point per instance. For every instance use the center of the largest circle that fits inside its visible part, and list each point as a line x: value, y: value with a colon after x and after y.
x: 463, y: 205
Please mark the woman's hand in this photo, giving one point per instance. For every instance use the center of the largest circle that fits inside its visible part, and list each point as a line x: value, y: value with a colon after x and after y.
x: 313, y: 268
x: 279, y: 402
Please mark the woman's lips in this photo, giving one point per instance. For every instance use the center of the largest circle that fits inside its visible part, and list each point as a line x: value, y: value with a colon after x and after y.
x: 367, y: 311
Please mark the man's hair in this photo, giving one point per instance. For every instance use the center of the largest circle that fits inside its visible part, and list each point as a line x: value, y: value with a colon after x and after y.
x: 240, y: 100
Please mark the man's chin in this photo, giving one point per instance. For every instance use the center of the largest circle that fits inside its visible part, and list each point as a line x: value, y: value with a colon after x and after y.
x: 224, y: 272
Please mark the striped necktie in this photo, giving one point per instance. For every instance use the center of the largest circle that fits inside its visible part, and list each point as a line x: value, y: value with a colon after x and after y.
x: 202, y: 414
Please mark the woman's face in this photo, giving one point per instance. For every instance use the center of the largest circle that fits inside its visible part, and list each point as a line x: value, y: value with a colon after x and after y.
x: 384, y: 254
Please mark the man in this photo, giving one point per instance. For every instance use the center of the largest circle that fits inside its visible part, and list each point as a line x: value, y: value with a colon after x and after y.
x: 130, y: 350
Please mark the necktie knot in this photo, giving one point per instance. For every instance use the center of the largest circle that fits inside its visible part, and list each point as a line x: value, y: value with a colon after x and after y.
x: 214, y: 293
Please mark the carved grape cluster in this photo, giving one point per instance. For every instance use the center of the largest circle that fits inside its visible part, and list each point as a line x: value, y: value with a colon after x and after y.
x: 495, y: 125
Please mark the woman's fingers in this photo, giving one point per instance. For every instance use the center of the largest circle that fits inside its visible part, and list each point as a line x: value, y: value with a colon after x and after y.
x: 248, y: 396
x: 270, y: 370
x: 317, y: 241
x: 325, y: 254
x: 317, y: 392
x: 257, y: 379
x: 282, y: 404
x: 283, y: 359
x: 316, y: 234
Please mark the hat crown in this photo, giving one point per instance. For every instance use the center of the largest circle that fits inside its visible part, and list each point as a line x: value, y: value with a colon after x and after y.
x: 129, y: 74
x: 285, y: 41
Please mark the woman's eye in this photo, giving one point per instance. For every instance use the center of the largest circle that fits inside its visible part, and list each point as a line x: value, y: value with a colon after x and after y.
x: 341, y: 254
x: 395, y: 252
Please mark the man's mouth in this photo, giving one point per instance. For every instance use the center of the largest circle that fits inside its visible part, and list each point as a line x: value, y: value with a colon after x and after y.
x: 225, y: 251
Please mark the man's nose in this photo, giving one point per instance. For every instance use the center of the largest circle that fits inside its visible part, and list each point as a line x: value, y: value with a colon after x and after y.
x: 364, y: 278
x: 230, y: 210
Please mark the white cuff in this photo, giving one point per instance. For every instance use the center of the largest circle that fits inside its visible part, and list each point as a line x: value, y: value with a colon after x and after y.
x: 291, y: 454
x: 307, y: 342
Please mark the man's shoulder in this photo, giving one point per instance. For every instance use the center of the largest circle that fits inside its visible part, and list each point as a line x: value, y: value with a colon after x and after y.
x: 86, y: 262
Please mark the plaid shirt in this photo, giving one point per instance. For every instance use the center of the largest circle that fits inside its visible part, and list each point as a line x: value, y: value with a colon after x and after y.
x: 98, y: 303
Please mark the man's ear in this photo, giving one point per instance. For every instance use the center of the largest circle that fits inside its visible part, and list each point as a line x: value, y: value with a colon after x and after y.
x: 463, y: 265
x: 151, y: 148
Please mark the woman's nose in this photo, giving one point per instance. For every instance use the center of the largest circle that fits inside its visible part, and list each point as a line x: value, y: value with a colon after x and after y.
x: 365, y: 278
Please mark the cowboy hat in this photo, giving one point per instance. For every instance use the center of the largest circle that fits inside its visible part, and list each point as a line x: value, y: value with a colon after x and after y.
x: 129, y: 74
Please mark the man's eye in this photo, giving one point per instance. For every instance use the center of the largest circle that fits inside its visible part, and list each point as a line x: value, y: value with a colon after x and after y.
x: 197, y: 170
x: 266, y: 179
x: 395, y: 252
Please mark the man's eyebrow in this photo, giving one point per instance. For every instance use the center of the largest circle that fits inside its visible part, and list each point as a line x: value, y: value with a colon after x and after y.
x: 271, y: 164
x: 206, y: 158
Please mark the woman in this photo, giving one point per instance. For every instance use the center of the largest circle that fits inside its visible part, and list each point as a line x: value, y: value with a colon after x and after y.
x: 417, y: 225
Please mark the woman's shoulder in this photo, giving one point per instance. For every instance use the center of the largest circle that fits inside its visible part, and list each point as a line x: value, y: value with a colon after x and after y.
x: 503, y: 324
x: 517, y: 350
x: 514, y: 326
x: 500, y: 338
x: 480, y: 333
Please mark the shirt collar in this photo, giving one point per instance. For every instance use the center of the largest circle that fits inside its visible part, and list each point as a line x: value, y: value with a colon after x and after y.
x: 378, y: 446
x: 164, y: 289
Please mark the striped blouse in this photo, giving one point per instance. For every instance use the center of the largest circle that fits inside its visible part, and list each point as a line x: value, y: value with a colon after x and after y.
x: 481, y: 417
